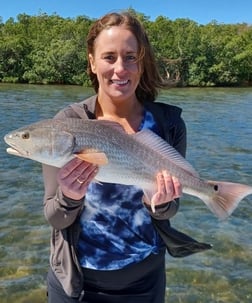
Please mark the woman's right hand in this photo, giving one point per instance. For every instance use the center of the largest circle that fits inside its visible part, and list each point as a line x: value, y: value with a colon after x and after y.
x: 74, y: 178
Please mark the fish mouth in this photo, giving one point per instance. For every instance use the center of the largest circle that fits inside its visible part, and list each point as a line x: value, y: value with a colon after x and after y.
x: 15, y: 152
x: 12, y: 149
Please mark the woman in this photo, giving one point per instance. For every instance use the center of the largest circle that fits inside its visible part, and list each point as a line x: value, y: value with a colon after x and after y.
x: 104, y: 246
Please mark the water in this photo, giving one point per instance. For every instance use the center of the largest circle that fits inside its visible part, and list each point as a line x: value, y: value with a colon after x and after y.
x: 219, y: 128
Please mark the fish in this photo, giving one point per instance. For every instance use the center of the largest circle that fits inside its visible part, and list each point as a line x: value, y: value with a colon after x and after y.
x: 129, y: 159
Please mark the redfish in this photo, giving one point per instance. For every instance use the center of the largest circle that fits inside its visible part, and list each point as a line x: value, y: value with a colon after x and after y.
x: 133, y: 159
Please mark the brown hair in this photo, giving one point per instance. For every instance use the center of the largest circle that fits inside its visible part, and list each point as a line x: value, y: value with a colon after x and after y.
x: 150, y: 80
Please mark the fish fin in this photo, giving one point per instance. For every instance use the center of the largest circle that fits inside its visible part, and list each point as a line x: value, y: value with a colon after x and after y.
x: 97, y: 181
x: 148, y: 194
x: 93, y: 156
x: 228, y: 196
x: 148, y: 138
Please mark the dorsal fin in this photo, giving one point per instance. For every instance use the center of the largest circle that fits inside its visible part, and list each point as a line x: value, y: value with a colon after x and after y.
x: 148, y: 138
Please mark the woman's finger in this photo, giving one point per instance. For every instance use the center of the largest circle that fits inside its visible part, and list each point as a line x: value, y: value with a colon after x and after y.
x: 168, y: 184
x: 177, y: 188
x: 70, y: 167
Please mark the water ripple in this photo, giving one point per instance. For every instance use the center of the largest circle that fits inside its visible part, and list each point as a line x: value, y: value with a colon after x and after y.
x: 219, y: 146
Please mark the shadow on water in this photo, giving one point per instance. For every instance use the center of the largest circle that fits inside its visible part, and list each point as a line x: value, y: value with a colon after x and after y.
x: 219, y: 128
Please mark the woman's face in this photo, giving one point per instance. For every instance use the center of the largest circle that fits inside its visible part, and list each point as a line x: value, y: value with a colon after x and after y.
x: 115, y: 63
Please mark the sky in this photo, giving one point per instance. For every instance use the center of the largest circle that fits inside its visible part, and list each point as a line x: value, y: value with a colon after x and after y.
x: 200, y: 11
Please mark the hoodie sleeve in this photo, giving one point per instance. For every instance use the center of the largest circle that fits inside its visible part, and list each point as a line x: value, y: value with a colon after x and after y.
x: 164, y: 211
x: 59, y: 210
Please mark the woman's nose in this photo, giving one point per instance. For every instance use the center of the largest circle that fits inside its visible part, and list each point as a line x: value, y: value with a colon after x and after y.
x: 119, y: 65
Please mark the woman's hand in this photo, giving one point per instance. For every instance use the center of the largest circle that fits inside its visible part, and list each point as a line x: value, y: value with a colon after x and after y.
x: 74, y: 178
x: 168, y: 189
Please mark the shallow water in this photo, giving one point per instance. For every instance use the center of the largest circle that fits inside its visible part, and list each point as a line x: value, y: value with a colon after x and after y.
x: 219, y: 128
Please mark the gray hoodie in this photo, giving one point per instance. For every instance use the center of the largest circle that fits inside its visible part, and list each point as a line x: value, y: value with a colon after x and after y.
x: 63, y: 213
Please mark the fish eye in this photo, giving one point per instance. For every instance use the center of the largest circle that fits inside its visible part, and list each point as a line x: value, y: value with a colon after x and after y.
x: 25, y: 135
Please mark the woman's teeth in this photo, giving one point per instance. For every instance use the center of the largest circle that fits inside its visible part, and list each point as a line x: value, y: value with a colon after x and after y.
x: 120, y: 82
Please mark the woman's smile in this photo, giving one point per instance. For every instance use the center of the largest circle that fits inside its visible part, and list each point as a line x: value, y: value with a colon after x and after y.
x: 120, y: 82
x: 115, y: 63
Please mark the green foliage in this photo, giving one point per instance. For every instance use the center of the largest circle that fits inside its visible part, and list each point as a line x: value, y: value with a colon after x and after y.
x: 50, y: 49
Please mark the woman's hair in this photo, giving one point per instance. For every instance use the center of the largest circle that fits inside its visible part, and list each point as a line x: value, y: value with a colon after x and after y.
x: 150, y: 80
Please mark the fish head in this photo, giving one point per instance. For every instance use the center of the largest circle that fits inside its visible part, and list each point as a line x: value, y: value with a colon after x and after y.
x: 41, y: 143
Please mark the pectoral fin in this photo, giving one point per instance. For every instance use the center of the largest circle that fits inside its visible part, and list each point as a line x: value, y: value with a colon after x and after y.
x: 149, y: 194
x: 93, y: 156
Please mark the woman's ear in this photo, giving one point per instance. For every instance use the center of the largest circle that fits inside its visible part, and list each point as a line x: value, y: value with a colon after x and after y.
x: 92, y: 64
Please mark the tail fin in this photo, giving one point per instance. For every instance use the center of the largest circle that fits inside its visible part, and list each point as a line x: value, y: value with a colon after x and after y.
x: 227, y: 197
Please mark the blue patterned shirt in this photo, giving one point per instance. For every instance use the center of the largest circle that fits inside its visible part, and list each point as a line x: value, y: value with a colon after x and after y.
x: 116, y: 228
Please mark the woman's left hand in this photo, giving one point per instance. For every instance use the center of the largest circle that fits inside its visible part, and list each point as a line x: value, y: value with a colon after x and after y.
x: 168, y: 189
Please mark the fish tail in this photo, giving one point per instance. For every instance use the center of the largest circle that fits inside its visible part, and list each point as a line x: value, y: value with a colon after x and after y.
x: 226, y: 198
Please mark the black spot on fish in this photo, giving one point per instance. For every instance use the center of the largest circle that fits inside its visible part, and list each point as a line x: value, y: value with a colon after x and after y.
x: 216, y: 187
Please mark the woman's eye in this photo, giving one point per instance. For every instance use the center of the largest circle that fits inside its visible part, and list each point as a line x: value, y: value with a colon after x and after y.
x: 109, y: 57
x: 131, y: 58
x: 126, y: 59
